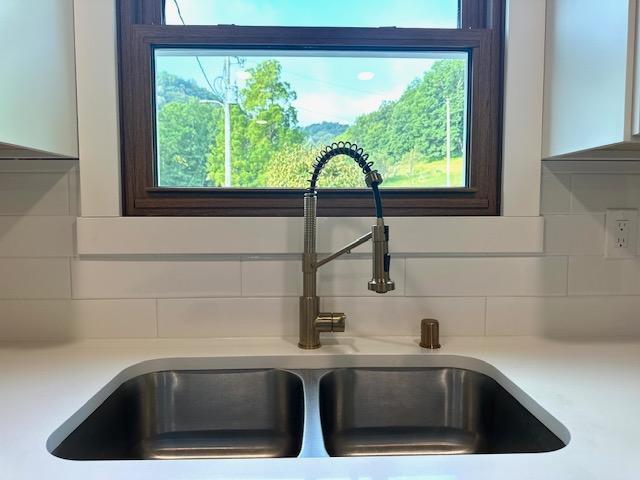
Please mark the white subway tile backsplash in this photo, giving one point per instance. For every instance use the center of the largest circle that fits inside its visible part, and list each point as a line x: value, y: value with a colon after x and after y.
x: 271, y: 278
x: 258, y: 297
x: 350, y: 277
x: 574, y: 234
x: 491, y: 276
x: 382, y: 315
x: 155, y: 279
x: 41, y: 278
x: 563, y: 316
x: 36, y: 236
x: 596, y: 193
x: 34, y: 193
x: 41, y: 319
x: 342, y: 277
x: 602, y: 276
x: 228, y: 317
x: 556, y: 193
x: 74, y: 191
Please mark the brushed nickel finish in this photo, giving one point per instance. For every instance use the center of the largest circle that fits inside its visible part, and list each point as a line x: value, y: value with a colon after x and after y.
x: 381, y: 283
x: 429, y: 333
x: 306, y: 413
x: 312, y: 321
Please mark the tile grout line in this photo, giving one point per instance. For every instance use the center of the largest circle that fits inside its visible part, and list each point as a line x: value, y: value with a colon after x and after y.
x: 571, y: 202
x: 157, y: 321
x: 567, y: 276
x: 404, y: 278
x: 70, y: 261
x: 68, y: 194
x: 486, y: 301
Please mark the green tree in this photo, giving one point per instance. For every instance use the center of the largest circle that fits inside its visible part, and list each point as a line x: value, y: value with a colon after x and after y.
x: 264, y: 122
x: 414, y: 126
x: 290, y: 167
x: 186, y: 132
x: 419, y: 118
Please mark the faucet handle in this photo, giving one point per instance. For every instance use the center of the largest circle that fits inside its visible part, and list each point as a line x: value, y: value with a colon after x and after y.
x: 330, y: 322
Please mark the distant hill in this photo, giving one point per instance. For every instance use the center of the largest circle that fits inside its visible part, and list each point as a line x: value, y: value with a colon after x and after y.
x: 172, y: 88
x: 324, y: 132
x: 413, y: 128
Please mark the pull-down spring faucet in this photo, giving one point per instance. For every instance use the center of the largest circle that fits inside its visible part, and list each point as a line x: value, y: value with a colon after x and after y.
x: 312, y: 321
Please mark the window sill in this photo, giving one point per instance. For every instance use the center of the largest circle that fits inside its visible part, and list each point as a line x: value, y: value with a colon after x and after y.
x: 283, y: 235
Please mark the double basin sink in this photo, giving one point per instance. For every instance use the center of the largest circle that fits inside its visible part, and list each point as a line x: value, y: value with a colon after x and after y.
x: 266, y: 413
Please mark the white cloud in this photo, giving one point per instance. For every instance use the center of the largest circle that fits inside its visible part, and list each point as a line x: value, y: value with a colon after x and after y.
x: 334, y: 106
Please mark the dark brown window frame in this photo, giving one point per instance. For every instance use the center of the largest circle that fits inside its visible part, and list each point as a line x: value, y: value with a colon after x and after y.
x: 141, y: 29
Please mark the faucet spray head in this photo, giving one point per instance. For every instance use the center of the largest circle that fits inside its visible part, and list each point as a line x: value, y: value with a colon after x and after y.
x: 381, y: 283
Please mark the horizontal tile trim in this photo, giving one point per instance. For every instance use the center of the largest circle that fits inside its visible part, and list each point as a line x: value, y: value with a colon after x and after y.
x: 52, y: 319
x: 574, y: 234
x: 41, y: 278
x: 34, y: 194
x: 228, y: 317
x: 36, y: 165
x: 594, y: 166
x: 155, y: 279
x: 282, y: 235
x: 486, y: 276
x: 371, y: 316
x: 342, y: 277
x: 602, y: 276
x: 598, y: 316
x: 36, y: 236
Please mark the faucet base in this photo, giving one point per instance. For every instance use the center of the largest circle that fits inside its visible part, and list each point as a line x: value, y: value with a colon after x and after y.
x: 309, y: 347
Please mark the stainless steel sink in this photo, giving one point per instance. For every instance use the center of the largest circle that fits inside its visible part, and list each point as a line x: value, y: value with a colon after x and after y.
x: 194, y: 414
x: 186, y: 413
x: 425, y: 411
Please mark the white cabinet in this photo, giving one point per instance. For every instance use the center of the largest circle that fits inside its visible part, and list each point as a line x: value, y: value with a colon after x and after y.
x: 37, y: 79
x: 591, y: 98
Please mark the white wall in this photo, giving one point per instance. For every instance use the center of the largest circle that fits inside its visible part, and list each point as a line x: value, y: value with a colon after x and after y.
x: 46, y: 291
x: 37, y: 80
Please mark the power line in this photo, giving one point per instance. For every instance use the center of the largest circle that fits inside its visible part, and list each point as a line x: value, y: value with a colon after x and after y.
x: 204, y: 74
x: 332, y: 83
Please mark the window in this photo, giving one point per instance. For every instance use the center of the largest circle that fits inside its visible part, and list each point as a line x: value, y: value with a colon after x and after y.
x: 224, y: 105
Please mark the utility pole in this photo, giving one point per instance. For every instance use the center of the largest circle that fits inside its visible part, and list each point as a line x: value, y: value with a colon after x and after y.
x: 227, y: 121
x: 448, y: 142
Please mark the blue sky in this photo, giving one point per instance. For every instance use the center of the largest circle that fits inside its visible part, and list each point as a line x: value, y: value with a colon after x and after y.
x: 334, y: 88
x: 333, y: 13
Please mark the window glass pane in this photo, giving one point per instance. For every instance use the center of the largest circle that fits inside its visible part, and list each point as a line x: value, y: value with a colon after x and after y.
x: 249, y: 119
x: 328, y: 13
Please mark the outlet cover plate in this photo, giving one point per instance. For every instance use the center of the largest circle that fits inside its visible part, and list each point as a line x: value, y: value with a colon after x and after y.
x: 621, y: 228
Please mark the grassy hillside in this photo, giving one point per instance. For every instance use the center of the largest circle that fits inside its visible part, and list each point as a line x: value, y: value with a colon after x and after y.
x: 431, y: 174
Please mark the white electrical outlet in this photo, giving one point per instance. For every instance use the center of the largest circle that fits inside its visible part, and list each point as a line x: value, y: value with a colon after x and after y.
x: 621, y: 228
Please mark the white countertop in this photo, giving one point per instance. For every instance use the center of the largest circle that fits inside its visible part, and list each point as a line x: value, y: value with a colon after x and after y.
x: 590, y: 387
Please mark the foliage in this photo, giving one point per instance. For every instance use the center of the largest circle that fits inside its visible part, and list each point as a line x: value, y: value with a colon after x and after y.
x: 415, y: 124
x: 427, y: 174
x: 185, y: 132
x: 171, y: 88
x: 263, y: 124
x: 290, y: 168
x: 405, y: 138
x: 323, y: 133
